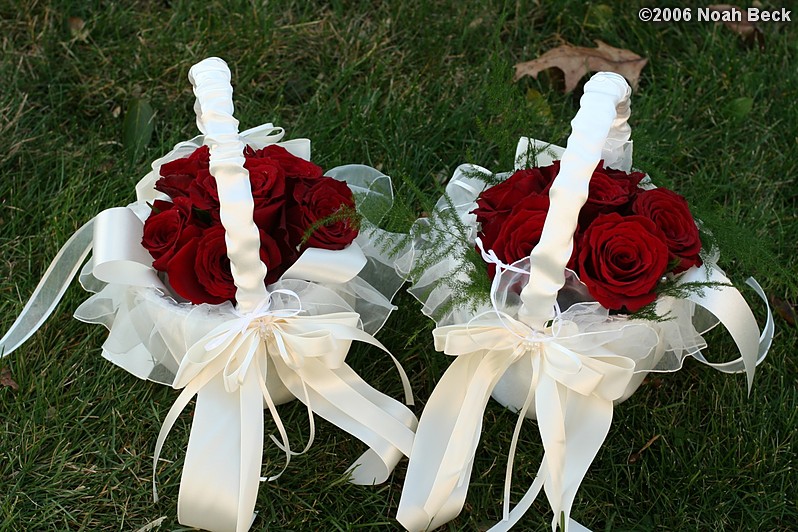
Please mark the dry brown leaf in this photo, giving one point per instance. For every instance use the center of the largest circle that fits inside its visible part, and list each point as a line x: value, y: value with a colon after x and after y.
x: 784, y: 309
x: 77, y: 28
x: 576, y: 61
x: 6, y: 380
x: 740, y: 24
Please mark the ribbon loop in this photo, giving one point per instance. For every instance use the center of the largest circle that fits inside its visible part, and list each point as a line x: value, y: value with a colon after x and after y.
x: 229, y: 367
x: 570, y: 375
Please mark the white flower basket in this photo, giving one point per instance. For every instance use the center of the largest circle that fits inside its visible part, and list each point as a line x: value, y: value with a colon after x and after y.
x: 542, y: 346
x: 285, y: 341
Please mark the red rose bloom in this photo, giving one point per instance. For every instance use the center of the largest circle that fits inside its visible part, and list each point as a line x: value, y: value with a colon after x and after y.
x: 267, y: 180
x: 200, y: 270
x: 273, y: 256
x: 610, y: 191
x: 178, y: 175
x: 212, y: 266
x: 203, y: 193
x: 621, y: 260
x: 292, y: 165
x: 168, y: 229
x: 520, y: 231
x: 184, y: 275
x: 495, y: 203
x: 670, y: 212
x: 311, y: 218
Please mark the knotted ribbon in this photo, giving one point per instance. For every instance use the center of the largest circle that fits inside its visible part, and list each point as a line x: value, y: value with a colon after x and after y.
x: 575, y: 372
x: 228, y: 370
x: 580, y: 364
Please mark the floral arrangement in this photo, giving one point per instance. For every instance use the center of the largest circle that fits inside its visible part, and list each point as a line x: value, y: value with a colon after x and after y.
x: 296, y: 207
x: 241, y: 275
x: 555, y: 289
x: 627, y: 238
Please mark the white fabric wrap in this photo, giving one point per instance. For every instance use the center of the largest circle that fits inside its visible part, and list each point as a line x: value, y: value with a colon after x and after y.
x: 591, y: 127
x: 285, y: 341
x: 211, y: 81
x: 569, y: 371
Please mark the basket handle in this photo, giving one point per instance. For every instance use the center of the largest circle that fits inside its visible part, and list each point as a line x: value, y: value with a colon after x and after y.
x: 214, y: 108
x: 602, y: 118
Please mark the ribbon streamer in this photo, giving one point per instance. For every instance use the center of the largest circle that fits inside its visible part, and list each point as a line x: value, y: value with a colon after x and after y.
x: 577, y: 374
x: 227, y: 370
x: 50, y: 289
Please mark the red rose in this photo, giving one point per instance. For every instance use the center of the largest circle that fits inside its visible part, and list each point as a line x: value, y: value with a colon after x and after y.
x: 322, y: 214
x: 621, y: 260
x: 168, y: 229
x: 292, y: 165
x: 520, y: 231
x: 267, y: 181
x: 200, y: 270
x: 179, y: 174
x: 610, y: 191
x: 669, y: 211
x: 271, y: 255
x: 495, y: 203
x: 204, y: 194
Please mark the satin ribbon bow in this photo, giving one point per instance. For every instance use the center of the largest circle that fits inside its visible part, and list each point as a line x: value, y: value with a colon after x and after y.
x: 577, y: 376
x: 230, y: 370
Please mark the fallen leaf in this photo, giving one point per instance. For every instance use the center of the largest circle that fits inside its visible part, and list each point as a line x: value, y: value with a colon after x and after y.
x: 77, y: 28
x: 6, y: 381
x: 739, y: 108
x: 138, y: 126
x: 737, y: 21
x: 576, y: 61
x: 784, y: 309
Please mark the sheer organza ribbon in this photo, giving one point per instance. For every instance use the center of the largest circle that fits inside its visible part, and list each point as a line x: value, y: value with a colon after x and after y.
x: 577, y: 377
x: 580, y: 364
x: 50, y: 290
x: 228, y: 369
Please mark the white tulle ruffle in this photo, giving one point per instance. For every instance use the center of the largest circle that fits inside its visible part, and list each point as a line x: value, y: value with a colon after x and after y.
x: 679, y: 334
x: 150, y: 328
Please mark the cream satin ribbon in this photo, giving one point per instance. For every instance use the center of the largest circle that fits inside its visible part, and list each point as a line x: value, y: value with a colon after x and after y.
x: 576, y: 378
x: 575, y: 373
x: 227, y: 370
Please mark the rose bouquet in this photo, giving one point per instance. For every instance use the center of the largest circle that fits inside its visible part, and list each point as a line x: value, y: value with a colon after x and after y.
x: 627, y: 237
x: 296, y: 208
x: 241, y: 275
x: 557, y: 288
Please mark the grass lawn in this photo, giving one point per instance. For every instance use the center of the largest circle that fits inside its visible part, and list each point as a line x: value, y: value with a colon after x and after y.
x: 413, y: 88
